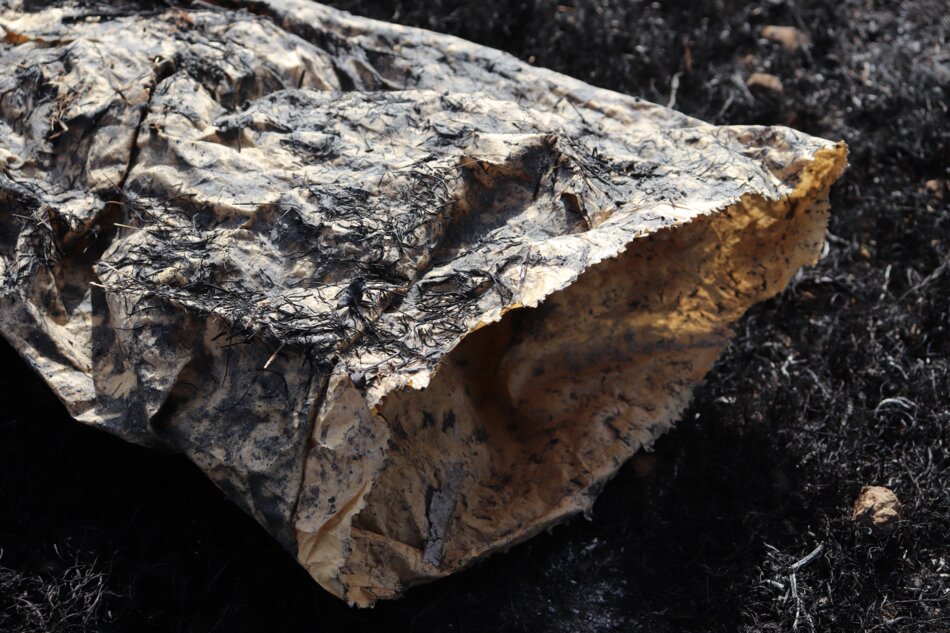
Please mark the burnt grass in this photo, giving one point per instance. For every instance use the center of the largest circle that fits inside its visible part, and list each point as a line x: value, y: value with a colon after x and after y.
x: 840, y: 382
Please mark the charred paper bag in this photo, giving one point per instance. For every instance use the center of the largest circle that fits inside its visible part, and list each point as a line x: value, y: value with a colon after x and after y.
x: 406, y: 299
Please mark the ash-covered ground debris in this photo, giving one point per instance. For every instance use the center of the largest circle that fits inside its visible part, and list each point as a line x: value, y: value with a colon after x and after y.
x: 744, y: 522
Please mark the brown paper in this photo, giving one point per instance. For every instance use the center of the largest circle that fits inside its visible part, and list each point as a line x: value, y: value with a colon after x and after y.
x: 406, y: 299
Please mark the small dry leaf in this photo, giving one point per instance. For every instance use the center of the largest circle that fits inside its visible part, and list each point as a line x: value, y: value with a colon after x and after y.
x: 878, y: 508
x: 789, y: 37
x: 765, y: 81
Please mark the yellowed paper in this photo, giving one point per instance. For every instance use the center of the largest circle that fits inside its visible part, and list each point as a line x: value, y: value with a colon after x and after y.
x: 405, y: 299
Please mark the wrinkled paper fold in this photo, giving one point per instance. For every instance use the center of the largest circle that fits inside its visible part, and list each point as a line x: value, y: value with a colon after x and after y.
x: 405, y: 299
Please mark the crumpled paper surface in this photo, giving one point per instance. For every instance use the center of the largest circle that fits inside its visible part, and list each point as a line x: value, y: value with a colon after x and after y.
x: 405, y: 299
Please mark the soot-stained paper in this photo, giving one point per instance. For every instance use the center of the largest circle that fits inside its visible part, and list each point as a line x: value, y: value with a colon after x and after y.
x: 405, y: 299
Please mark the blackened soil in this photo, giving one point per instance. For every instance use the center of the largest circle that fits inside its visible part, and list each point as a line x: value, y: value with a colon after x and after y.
x: 840, y: 382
